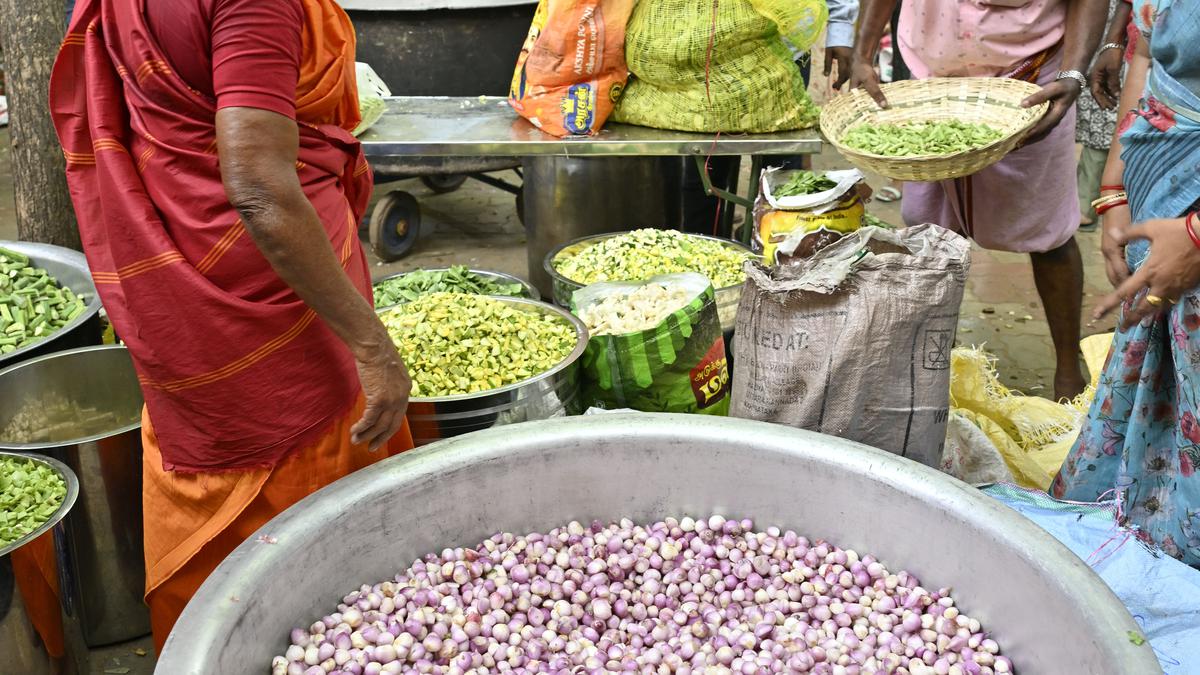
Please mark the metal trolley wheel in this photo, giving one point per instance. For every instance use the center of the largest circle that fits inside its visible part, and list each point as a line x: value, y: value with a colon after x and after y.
x: 395, y: 226
x: 443, y: 183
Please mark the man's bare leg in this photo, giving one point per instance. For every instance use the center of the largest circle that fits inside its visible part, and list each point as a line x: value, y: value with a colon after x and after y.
x: 1059, y: 277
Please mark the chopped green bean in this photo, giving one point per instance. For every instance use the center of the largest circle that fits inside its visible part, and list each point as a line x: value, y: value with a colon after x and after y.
x: 32, y: 304
x: 917, y: 139
x: 456, y: 343
x: 30, y: 493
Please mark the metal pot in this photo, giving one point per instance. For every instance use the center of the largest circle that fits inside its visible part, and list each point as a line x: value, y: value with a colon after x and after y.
x: 564, y: 288
x: 103, y: 570
x: 21, y: 648
x: 1045, y: 606
x: 498, y: 277
x: 70, y: 269
x: 554, y: 393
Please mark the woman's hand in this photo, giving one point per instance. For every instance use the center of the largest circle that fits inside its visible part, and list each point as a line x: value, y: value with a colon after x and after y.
x: 1171, y: 269
x: 1115, y: 224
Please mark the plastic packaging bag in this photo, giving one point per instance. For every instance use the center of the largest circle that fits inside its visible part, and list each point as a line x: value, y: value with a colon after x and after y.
x: 1162, y: 593
x: 719, y: 66
x: 676, y: 366
x: 787, y: 228
x: 371, y: 94
x: 571, y: 69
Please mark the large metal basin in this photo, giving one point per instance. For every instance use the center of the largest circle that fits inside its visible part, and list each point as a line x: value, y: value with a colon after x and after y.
x: 1047, y: 609
x: 70, y: 269
x: 101, y: 548
x: 564, y: 288
x: 554, y: 393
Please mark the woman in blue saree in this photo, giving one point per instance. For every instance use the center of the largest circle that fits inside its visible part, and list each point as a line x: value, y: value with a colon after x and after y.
x: 1141, y: 442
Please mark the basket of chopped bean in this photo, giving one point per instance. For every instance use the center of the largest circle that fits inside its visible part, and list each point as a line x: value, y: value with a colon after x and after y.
x: 642, y: 254
x: 480, y: 361
x: 47, y: 301
x: 933, y: 129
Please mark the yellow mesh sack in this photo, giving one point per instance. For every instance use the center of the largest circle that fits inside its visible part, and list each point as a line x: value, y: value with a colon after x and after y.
x: 1033, y: 434
x: 708, y: 66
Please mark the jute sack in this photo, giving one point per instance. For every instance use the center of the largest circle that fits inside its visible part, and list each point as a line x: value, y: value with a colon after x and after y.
x: 856, y: 341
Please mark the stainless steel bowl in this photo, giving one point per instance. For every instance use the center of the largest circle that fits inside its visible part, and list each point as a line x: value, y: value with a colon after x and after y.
x: 498, y: 277
x: 22, y: 650
x: 1045, y: 606
x: 554, y: 393
x: 68, y: 477
x: 70, y: 269
x: 564, y: 288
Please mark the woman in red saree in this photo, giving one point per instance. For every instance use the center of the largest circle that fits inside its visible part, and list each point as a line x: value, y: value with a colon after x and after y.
x: 218, y: 192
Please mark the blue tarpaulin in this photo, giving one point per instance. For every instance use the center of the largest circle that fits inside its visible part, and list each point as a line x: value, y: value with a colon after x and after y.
x: 1162, y: 593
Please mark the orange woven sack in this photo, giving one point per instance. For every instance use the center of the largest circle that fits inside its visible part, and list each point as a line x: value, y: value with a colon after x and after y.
x: 571, y: 69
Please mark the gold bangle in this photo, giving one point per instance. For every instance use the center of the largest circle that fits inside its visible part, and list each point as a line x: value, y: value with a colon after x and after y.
x: 1109, y: 199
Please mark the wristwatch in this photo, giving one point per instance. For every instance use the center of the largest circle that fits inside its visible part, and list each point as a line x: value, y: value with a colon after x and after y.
x: 1074, y: 75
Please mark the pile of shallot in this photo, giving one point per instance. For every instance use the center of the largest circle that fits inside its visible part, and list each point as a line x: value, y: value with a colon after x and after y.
x: 679, y: 596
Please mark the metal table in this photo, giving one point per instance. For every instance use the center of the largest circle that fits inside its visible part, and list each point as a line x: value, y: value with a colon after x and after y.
x: 622, y: 178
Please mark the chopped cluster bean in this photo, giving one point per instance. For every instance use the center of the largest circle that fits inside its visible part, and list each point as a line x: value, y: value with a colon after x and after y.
x: 458, y: 279
x: 679, y: 596
x: 32, y: 304
x: 642, y: 254
x: 30, y: 493
x: 454, y: 343
x: 640, y: 309
x: 917, y: 139
x: 805, y: 183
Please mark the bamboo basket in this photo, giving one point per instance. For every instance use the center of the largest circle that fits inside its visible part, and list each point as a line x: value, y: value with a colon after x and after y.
x: 995, y: 101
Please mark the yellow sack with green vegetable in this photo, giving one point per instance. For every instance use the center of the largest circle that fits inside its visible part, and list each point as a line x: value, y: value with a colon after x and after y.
x: 719, y: 66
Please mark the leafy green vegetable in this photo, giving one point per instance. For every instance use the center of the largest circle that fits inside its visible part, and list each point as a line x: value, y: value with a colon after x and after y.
x: 30, y: 493
x: 920, y: 138
x: 805, y: 183
x: 642, y: 254
x: 458, y: 279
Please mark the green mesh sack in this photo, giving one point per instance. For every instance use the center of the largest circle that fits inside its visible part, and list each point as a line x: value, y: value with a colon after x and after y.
x: 747, y: 82
x: 677, y: 366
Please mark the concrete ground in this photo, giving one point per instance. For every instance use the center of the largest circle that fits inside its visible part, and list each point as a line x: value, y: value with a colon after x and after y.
x: 477, y: 225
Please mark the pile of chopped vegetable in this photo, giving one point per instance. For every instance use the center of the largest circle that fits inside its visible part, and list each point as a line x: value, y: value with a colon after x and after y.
x: 30, y: 493
x: 916, y: 139
x: 679, y: 596
x: 804, y: 183
x: 642, y: 254
x: 455, y: 343
x: 640, y: 309
x: 32, y: 304
x: 458, y: 279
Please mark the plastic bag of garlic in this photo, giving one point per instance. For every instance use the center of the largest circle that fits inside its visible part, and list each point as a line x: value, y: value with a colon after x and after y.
x: 655, y: 346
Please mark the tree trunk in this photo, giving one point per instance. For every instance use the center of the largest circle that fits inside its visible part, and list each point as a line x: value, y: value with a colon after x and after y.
x: 31, y: 31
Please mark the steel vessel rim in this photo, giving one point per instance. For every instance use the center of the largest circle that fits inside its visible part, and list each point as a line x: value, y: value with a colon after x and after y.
x: 78, y: 260
x: 69, y: 479
x: 23, y: 447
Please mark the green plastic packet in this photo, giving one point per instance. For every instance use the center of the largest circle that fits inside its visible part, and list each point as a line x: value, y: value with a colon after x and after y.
x: 677, y: 366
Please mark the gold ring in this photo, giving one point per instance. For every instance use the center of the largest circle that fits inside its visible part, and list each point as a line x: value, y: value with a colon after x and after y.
x: 1154, y: 300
